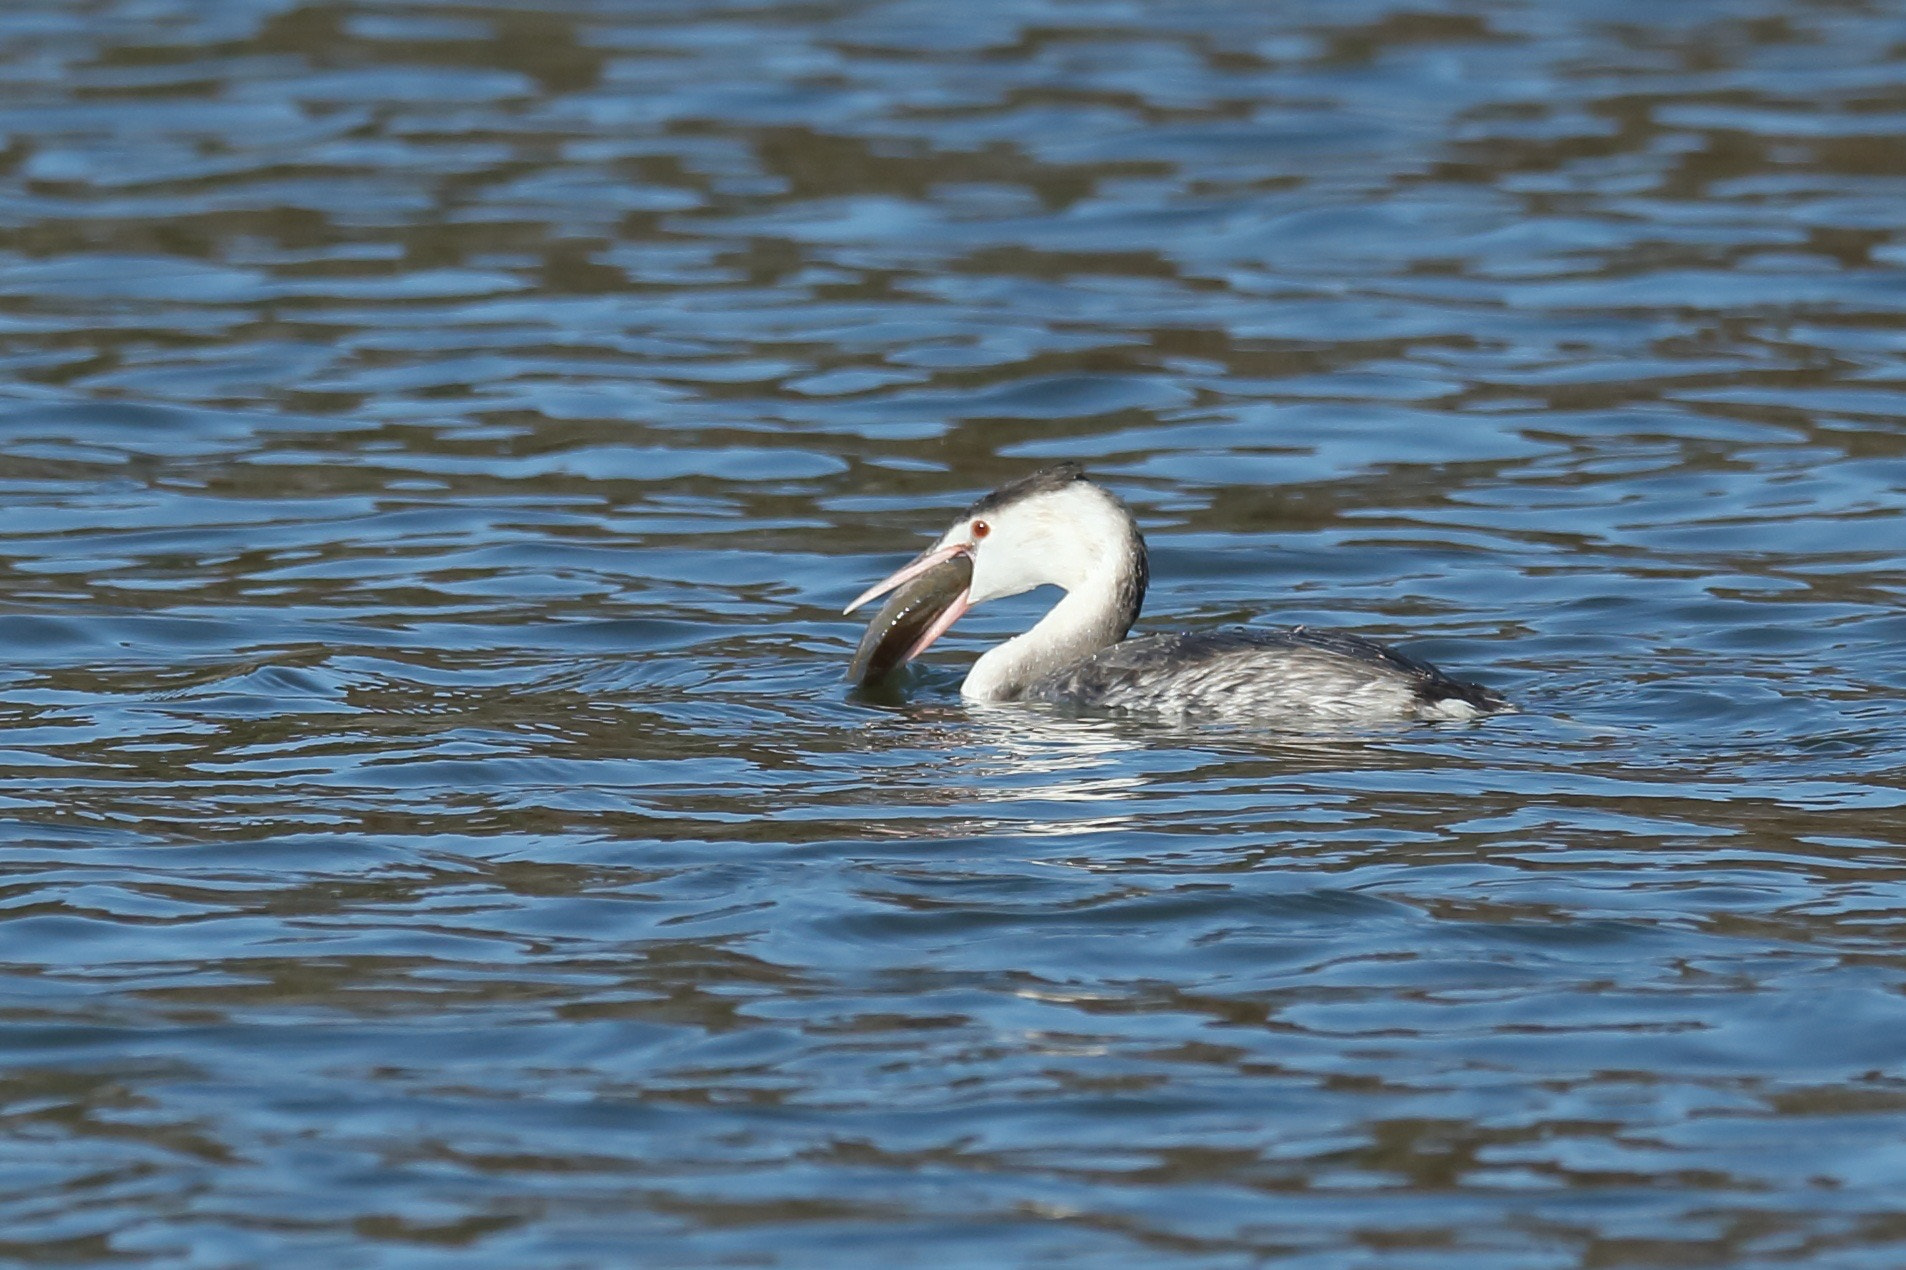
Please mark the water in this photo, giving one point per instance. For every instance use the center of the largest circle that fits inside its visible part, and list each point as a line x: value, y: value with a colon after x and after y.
x: 437, y: 440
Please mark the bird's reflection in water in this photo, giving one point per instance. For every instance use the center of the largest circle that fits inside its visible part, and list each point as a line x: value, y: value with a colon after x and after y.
x: 1038, y: 767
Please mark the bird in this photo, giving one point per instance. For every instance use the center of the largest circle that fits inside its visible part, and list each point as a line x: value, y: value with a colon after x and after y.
x: 1058, y: 527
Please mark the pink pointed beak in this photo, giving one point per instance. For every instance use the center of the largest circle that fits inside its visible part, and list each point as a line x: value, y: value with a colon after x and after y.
x: 919, y: 565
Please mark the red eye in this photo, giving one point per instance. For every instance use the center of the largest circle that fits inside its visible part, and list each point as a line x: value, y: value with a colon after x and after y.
x: 981, y: 529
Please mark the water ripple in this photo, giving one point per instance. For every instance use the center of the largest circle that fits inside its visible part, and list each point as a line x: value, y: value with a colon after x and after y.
x: 436, y: 447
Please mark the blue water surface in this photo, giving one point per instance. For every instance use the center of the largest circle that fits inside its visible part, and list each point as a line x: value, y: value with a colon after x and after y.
x: 436, y: 441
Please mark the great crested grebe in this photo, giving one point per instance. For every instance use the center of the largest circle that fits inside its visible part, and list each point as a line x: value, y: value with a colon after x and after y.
x: 1057, y: 528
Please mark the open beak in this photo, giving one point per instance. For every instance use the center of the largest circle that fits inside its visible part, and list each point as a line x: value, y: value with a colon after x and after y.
x: 929, y: 595
x: 909, y: 571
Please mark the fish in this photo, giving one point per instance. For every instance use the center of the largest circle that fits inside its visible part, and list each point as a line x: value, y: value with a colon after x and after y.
x: 893, y: 636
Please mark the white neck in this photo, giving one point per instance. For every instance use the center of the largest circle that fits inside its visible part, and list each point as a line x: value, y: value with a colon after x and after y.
x: 1090, y: 617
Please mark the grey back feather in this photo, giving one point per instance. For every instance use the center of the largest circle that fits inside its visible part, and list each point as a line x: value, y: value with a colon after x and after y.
x: 1253, y: 674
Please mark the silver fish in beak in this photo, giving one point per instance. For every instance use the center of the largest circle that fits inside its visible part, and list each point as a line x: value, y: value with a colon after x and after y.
x: 929, y: 595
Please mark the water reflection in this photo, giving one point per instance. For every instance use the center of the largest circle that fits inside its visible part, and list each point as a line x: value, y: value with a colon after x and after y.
x: 1027, y: 753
